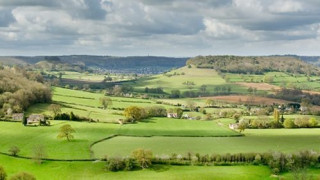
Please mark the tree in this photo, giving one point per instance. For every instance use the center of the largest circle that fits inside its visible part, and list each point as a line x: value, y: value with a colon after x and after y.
x: 105, y: 102
x: 55, y: 109
x: 242, y: 126
x: 66, y: 132
x: 191, y: 105
x: 143, y: 157
x: 14, y: 150
x: 175, y: 94
x: 23, y: 176
x: 203, y: 89
x: 276, y: 115
x: 210, y: 102
x: 134, y: 113
x: 39, y: 153
x: 3, y: 174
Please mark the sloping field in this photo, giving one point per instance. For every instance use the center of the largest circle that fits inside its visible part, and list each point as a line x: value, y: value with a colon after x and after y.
x: 256, y: 100
x: 259, y: 86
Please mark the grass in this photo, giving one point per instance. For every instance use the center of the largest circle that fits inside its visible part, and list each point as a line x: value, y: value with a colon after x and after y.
x: 255, y: 140
x: 15, y: 134
x: 280, y: 79
x: 86, y: 104
x: 199, y: 77
x: 175, y: 127
x: 95, y: 171
x: 86, y: 133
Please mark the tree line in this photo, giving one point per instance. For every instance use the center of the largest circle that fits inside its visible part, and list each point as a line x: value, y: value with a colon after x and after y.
x: 254, y: 64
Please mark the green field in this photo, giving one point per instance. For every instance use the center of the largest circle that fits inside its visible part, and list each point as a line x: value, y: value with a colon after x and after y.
x: 280, y: 79
x: 95, y: 170
x: 199, y: 77
x: 255, y: 140
x: 91, y: 77
x: 176, y: 127
x: 86, y: 104
x: 86, y: 133
x: 15, y: 134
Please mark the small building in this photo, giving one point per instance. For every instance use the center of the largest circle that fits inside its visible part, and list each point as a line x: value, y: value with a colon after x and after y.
x: 17, y: 116
x: 186, y: 116
x: 234, y: 126
x: 35, y: 118
x: 172, y: 115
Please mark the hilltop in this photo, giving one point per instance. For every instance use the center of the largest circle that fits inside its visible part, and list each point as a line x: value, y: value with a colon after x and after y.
x: 254, y: 64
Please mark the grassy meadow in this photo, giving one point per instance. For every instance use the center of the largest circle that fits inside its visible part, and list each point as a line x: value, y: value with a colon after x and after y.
x: 96, y: 171
x: 177, y: 78
x: 280, y: 79
x: 255, y: 140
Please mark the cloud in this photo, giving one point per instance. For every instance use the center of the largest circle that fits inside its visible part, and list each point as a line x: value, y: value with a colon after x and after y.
x: 166, y: 27
x: 286, y: 6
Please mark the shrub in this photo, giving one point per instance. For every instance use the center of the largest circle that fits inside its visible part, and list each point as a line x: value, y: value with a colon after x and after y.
x: 14, y: 150
x: 288, y: 123
x: 208, y: 116
x: 257, y: 159
x: 275, y: 171
x: 129, y: 164
x: 115, y: 164
x: 302, y: 122
x: 23, y: 176
x: 3, y: 174
x: 313, y: 122
x: 143, y: 157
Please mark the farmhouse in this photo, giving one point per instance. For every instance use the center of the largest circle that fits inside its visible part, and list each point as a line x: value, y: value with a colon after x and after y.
x: 35, y: 118
x: 17, y: 116
x: 234, y: 126
x: 172, y: 115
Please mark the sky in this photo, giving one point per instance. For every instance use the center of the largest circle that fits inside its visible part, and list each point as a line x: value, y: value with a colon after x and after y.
x: 179, y: 28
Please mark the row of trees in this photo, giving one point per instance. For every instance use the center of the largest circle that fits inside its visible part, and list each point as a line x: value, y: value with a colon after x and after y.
x: 140, y: 158
x: 135, y: 113
x: 254, y: 64
x: 264, y: 122
x: 277, y: 161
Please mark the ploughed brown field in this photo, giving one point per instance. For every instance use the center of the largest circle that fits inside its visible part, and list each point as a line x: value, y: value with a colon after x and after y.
x: 248, y: 99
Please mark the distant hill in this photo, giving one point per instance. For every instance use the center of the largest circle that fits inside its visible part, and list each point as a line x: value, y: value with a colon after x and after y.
x: 255, y: 64
x: 131, y: 64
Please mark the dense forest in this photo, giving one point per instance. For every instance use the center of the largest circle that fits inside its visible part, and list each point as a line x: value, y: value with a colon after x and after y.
x: 254, y: 64
x: 19, y: 89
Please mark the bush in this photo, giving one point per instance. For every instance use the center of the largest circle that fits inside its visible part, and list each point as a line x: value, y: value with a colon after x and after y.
x: 14, y: 150
x: 313, y: 122
x: 275, y: 171
x: 143, y: 157
x: 129, y: 164
x: 288, y: 123
x: 302, y: 122
x: 23, y: 176
x: 3, y: 174
x: 115, y: 164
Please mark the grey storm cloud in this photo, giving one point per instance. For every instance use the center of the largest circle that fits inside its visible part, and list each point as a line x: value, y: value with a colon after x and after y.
x: 159, y: 27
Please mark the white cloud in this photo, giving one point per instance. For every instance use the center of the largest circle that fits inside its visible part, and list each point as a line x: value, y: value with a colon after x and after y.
x: 221, y: 30
x: 286, y: 6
